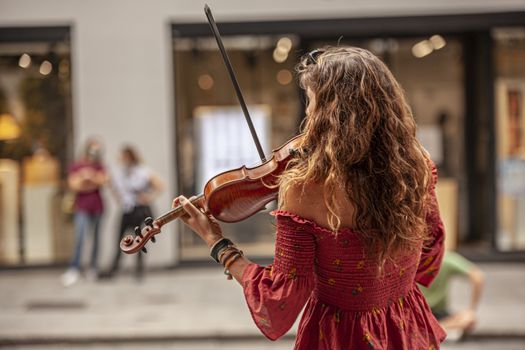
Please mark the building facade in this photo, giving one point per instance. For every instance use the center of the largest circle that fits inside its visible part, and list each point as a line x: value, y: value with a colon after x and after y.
x: 148, y: 73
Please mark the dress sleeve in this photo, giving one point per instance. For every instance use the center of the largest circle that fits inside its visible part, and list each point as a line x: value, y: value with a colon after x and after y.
x: 277, y: 293
x: 433, y: 250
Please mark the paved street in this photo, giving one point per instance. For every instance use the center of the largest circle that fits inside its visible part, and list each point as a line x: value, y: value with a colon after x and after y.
x: 191, y: 309
x: 256, y: 345
x: 281, y: 345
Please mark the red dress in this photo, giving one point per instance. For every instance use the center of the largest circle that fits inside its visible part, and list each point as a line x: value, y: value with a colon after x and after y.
x: 348, y: 305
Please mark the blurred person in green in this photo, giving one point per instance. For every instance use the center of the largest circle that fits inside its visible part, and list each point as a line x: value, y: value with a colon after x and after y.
x: 455, y: 265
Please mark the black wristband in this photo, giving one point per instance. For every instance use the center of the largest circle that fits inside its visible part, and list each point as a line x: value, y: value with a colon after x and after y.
x: 220, y: 245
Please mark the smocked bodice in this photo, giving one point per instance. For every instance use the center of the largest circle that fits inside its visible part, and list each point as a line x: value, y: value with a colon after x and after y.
x: 345, y: 275
x: 350, y: 303
x: 345, y: 289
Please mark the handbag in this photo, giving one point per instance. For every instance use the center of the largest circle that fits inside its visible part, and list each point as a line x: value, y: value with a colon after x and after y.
x: 67, y: 203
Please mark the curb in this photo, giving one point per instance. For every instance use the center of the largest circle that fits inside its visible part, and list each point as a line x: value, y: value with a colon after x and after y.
x: 219, y: 338
x: 65, y: 340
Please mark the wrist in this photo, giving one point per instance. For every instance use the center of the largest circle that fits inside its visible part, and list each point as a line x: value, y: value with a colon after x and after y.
x: 212, y: 239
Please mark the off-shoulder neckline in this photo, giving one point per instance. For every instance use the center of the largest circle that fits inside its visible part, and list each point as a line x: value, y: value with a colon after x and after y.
x: 302, y: 220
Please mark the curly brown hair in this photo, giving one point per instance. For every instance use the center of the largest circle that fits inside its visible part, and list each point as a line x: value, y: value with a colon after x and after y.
x: 360, y: 136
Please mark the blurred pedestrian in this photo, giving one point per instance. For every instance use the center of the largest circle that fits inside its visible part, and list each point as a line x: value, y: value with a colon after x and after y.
x: 135, y: 186
x: 358, y: 222
x: 437, y: 295
x: 86, y: 178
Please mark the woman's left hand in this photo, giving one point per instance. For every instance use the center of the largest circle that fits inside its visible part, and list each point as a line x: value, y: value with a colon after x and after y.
x: 203, y: 224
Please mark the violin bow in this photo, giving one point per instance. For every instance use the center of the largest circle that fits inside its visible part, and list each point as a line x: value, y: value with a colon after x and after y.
x: 236, y: 86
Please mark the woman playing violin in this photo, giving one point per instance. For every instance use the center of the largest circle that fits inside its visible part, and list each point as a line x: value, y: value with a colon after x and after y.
x: 358, y: 223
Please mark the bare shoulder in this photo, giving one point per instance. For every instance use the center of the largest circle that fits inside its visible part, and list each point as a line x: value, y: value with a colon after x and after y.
x: 305, y: 200
x: 308, y: 202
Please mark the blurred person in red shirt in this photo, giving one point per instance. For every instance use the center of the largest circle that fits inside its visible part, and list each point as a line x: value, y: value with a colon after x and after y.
x: 86, y: 178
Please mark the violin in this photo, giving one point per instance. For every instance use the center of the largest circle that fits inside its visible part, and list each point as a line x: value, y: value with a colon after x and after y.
x: 233, y: 195
x: 230, y: 196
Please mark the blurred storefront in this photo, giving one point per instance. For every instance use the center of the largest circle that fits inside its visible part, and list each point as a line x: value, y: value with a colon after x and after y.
x: 36, y: 144
x: 449, y: 67
x: 151, y: 74
x: 509, y: 96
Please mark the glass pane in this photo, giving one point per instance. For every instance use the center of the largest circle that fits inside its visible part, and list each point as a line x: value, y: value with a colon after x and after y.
x: 35, y: 139
x: 510, y: 122
x: 211, y: 131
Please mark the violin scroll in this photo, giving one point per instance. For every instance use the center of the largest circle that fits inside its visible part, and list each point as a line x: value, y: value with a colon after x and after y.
x: 130, y: 244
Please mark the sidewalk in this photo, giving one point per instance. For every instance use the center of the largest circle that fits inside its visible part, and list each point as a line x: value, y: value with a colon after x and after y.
x: 186, y: 304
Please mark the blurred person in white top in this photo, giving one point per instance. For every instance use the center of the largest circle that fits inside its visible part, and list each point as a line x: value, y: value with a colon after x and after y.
x: 135, y: 186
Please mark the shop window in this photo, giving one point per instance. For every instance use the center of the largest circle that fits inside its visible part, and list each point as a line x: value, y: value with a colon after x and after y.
x: 510, y: 136
x: 212, y: 135
x: 35, y: 139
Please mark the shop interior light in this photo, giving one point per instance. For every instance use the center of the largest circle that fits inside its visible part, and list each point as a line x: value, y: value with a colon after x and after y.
x: 280, y: 55
x: 284, y: 77
x: 380, y: 46
x: 282, y: 49
x: 63, y: 68
x: 205, y: 81
x: 24, y: 61
x: 285, y: 43
x: 9, y: 128
x: 422, y: 48
x: 438, y: 42
x: 45, y: 67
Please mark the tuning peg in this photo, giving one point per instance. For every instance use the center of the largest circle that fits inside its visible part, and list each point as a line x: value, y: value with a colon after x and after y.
x: 153, y: 239
x: 144, y: 250
x: 148, y: 221
x: 137, y: 231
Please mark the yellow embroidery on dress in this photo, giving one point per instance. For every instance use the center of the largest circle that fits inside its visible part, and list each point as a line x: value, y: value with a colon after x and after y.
x: 431, y: 347
x: 375, y: 310
x: 337, y: 316
x: 401, y: 302
x: 292, y: 274
x: 357, y: 290
x: 331, y: 281
x: 321, y: 334
x: 431, y: 270
x: 368, y: 339
x: 271, y: 273
x: 360, y: 264
x: 338, y: 265
x: 263, y: 322
x: 402, y: 325
x: 401, y: 272
x: 428, y: 261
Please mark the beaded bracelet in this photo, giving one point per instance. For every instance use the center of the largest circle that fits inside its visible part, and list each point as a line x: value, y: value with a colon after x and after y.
x: 230, y: 261
x: 219, y: 246
x: 226, y: 253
